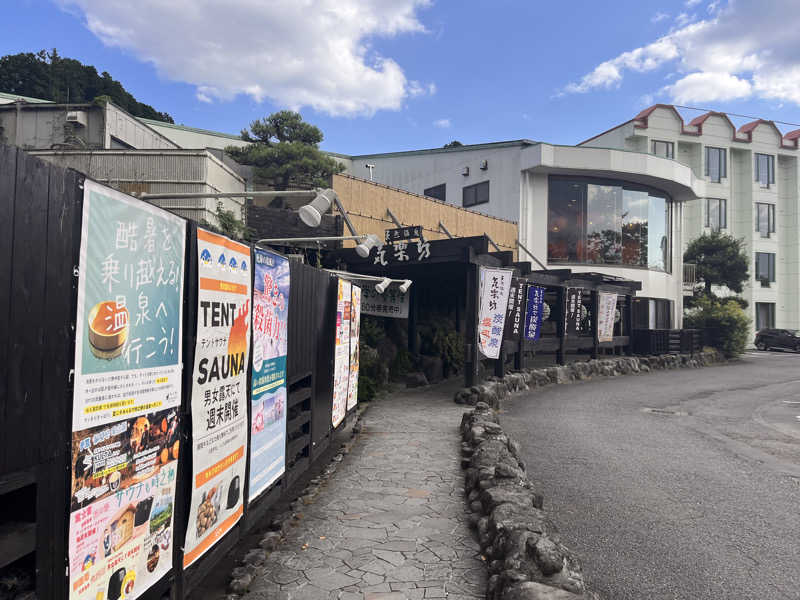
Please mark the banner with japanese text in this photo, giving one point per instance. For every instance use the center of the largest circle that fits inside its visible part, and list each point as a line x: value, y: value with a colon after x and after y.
x: 534, y: 313
x: 515, y: 310
x: 572, y: 320
x: 125, y: 419
x: 605, y: 319
x: 341, y: 361
x: 391, y: 303
x: 219, y: 391
x: 355, y: 327
x: 271, y: 290
x: 493, y: 302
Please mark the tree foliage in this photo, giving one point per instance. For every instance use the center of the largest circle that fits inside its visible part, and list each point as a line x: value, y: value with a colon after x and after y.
x: 453, y: 144
x: 727, y: 324
x: 49, y: 76
x: 228, y: 224
x: 285, y: 152
x: 721, y: 260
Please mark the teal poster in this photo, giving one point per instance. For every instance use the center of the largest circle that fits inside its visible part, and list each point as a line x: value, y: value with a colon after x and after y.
x: 268, y: 410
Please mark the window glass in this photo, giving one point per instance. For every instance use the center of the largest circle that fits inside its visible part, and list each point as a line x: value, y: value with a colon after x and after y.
x: 566, y: 236
x: 634, y: 227
x: 715, y: 164
x: 657, y: 234
x: 764, y: 169
x: 765, y: 219
x: 765, y: 266
x: 604, y: 224
x: 438, y: 191
x: 475, y: 194
x: 765, y: 315
x: 665, y: 149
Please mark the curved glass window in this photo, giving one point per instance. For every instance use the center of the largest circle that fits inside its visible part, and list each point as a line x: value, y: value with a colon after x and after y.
x: 596, y: 221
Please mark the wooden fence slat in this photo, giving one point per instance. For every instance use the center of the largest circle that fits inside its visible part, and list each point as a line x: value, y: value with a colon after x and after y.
x: 23, y: 410
x: 8, y: 174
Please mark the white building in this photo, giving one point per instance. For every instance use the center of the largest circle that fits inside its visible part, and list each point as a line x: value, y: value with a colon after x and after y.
x: 751, y: 180
x: 590, y: 209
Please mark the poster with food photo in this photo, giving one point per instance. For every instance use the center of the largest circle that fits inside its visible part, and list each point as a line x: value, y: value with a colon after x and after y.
x: 125, y: 423
x: 355, y: 327
x: 341, y: 364
x: 219, y: 391
x: 271, y: 289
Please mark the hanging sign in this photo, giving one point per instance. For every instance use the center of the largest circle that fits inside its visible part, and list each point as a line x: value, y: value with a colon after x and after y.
x: 219, y: 391
x: 341, y: 364
x: 495, y: 285
x: 391, y: 303
x: 355, y: 326
x: 572, y: 324
x: 125, y: 423
x: 403, y: 233
x: 401, y: 252
x: 534, y: 312
x: 605, y: 320
x: 271, y: 288
x: 516, y: 309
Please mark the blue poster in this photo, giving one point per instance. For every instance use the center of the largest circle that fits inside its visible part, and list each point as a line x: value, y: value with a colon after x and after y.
x: 533, y: 313
x: 268, y: 414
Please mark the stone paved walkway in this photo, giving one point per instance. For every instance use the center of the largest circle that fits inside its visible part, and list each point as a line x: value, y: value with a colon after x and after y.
x: 391, y: 523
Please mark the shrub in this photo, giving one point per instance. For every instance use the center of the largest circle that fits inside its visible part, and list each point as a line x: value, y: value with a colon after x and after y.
x: 728, y: 326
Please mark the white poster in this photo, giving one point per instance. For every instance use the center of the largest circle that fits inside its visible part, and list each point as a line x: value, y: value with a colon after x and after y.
x: 493, y: 298
x: 391, y: 303
x: 355, y: 326
x: 341, y: 365
x: 219, y: 391
x: 605, y: 320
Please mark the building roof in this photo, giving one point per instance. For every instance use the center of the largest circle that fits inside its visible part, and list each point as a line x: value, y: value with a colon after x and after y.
x: 151, y: 122
x: 15, y: 97
x: 466, y: 147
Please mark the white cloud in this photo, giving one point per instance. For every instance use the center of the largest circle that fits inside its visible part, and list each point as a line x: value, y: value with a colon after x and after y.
x: 691, y: 3
x: 658, y: 17
x: 442, y: 123
x: 684, y: 19
x: 314, y: 53
x: 739, y: 50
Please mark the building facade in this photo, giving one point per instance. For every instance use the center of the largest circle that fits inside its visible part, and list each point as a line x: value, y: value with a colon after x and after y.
x: 750, y: 177
x: 604, y: 210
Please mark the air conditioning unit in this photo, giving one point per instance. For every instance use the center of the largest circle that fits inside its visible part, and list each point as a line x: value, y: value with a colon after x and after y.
x: 79, y: 117
x: 484, y: 165
x: 465, y: 171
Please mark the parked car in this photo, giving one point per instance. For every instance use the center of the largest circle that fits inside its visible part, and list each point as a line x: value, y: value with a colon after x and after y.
x: 778, y: 338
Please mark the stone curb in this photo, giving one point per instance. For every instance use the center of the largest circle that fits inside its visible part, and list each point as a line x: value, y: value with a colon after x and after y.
x: 495, y: 389
x: 525, y: 556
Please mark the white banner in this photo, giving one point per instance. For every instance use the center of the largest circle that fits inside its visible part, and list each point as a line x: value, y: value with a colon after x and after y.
x: 219, y: 391
x: 605, y: 320
x: 494, y: 288
x: 391, y: 303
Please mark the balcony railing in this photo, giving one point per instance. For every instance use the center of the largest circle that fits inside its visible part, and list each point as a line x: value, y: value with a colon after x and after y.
x: 689, y: 277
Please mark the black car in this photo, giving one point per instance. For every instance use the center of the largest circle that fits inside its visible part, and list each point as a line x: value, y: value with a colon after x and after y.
x: 778, y: 338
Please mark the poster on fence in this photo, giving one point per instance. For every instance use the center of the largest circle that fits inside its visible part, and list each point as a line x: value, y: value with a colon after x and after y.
x: 515, y: 310
x: 355, y: 327
x: 268, y: 403
x: 391, y: 303
x: 341, y: 361
x: 125, y: 420
x: 219, y: 391
x: 493, y: 302
x: 534, y: 313
x: 605, y: 319
x: 572, y: 321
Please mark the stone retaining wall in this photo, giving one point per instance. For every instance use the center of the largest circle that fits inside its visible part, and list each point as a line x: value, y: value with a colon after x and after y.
x: 494, y: 389
x: 525, y: 556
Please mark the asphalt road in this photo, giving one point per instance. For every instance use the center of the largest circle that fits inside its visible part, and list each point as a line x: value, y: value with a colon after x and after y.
x: 674, y: 485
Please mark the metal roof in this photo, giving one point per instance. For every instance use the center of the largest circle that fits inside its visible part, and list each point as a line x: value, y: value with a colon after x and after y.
x: 190, y: 129
x: 15, y: 97
x: 466, y: 147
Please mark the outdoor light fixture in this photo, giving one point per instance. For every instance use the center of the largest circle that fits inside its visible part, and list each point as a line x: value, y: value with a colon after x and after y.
x: 405, y: 285
x: 371, y: 240
x: 311, y: 213
x: 384, y: 283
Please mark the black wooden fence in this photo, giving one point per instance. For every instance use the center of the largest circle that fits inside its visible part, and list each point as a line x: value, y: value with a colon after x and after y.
x: 40, y: 232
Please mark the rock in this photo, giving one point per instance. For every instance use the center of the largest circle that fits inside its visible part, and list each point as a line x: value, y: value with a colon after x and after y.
x: 240, y: 585
x: 270, y: 541
x: 548, y: 556
x: 416, y: 380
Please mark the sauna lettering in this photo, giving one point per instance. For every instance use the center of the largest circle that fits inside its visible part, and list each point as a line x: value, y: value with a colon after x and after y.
x: 219, y: 314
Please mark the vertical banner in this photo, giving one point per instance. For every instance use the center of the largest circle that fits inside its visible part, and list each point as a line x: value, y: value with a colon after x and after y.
x: 341, y: 364
x: 125, y: 420
x: 605, y: 320
x: 355, y: 327
x: 271, y: 290
x: 219, y: 391
x: 533, y: 313
x: 493, y: 302
x: 573, y: 311
x: 515, y: 310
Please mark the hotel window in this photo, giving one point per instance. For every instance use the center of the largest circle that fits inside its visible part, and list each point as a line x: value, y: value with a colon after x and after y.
x: 475, y: 194
x: 716, y: 213
x: 716, y: 164
x: 765, y: 219
x: 438, y: 191
x: 665, y: 149
x: 765, y: 315
x: 764, y: 169
x: 765, y: 268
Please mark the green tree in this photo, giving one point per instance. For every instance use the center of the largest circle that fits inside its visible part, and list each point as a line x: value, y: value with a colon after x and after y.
x: 453, y: 144
x: 228, y: 224
x: 721, y: 260
x: 727, y: 324
x: 285, y: 152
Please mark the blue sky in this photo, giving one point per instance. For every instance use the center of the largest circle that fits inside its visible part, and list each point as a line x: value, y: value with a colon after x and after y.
x: 386, y: 75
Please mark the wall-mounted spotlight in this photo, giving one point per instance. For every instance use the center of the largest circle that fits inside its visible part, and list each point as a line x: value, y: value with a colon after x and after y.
x: 405, y: 285
x: 311, y: 213
x: 384, y: 283
x: 371, y: 240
